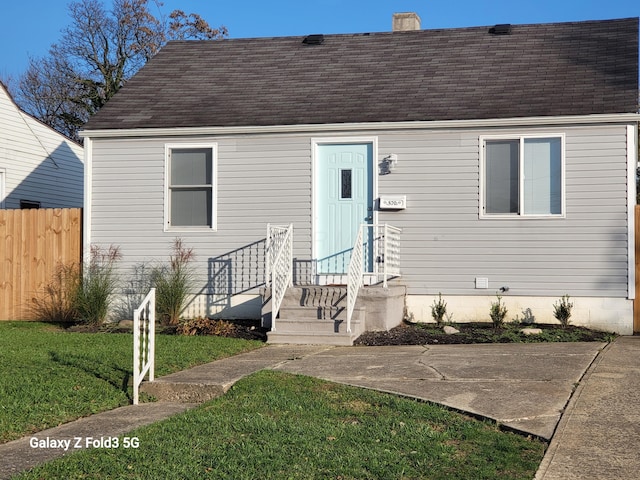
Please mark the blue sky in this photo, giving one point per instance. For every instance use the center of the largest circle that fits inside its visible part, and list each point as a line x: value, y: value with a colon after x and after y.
x: 29, y: 27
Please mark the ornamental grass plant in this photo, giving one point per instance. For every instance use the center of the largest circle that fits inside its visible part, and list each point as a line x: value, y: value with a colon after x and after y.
x: 99, y: 283
x: 80, y: 293
x: 173, y: 283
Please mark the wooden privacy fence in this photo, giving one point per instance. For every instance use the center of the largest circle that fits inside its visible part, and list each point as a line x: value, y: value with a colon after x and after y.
x: 33, y: 243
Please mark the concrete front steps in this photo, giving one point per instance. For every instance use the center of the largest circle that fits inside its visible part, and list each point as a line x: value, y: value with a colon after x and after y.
x: 317, y: 315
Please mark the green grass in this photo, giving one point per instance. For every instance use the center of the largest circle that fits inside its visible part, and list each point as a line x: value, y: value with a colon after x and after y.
x: 50, y: 376
x: 276, y: 425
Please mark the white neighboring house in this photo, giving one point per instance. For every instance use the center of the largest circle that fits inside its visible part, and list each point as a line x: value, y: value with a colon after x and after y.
x: 39, y: 167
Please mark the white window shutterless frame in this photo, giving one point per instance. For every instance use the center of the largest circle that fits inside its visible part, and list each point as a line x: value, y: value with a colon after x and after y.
x: 190, y: 186
x: 522, y: 176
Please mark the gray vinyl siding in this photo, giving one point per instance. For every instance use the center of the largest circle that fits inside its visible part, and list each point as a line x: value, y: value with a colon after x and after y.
x: 259, y: 181
x: 445, y: 243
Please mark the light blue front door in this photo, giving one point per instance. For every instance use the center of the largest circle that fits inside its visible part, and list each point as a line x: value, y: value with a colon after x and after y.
x: 344, y: 201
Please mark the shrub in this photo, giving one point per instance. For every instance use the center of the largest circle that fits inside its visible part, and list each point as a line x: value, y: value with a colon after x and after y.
x: 562, y: 310
x: 528, y: 318
x: 58, y: 302
x: 99, y: 282
x: 439, y: 310
x: 173, y: 283
x: 497, y: 312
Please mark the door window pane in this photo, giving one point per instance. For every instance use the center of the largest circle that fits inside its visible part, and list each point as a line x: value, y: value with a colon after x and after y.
x: 345, y: 184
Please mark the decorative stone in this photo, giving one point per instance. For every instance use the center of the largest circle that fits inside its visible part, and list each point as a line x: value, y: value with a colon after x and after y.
x: 125, y: 323
x: 531, y: 331
x: 449, y: 330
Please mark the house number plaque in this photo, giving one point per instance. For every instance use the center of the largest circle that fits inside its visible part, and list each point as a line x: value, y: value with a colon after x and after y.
x: 396, y: 202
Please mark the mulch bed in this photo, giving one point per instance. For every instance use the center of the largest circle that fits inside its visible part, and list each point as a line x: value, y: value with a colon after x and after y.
x: 423, y: 334
x: 405, y: 334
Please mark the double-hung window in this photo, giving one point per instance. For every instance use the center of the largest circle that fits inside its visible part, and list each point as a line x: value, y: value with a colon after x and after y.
x: 190, y: 177
x: 523, y: 176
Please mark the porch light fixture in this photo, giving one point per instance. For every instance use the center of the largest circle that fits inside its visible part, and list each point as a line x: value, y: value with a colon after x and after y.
x: 388, y: 164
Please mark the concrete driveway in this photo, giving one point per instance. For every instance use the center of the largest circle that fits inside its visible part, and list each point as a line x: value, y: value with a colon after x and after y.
x: 523, y: 386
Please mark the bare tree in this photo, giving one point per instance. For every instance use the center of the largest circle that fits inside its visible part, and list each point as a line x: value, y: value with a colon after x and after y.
x: 97, y: 54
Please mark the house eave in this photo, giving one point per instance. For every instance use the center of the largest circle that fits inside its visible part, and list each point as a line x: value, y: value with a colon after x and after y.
x: 369, y: 126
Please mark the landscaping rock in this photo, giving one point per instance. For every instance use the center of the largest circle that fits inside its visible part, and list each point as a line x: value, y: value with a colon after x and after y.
x: 449, y: 330
x: 531, y: 331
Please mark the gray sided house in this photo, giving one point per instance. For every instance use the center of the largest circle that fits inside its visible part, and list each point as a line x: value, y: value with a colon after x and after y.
x: 464, y: 161
x: 39, y: 167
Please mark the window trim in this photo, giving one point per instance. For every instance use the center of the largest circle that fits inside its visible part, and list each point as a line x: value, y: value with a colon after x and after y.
x: 214, y: 187
x: 521, y: 138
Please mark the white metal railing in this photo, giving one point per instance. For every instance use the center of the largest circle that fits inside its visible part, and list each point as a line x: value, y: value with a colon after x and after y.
x: 387, y: 239
x: 355, y: 275
x: 279, y: 265
x: 144, y: 332
x: 376, y: 252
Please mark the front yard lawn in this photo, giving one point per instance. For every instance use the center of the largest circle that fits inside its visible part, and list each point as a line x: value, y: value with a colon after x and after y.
x: 273, y: 425
x: 49, y: 376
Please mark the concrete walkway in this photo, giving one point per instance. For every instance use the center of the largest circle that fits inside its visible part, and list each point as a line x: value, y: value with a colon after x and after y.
x: 526, y: 387
x: 522, y: 386
x: 599, y: 435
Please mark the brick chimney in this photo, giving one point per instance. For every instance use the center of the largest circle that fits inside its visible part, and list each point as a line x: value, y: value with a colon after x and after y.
x: 403, y: 22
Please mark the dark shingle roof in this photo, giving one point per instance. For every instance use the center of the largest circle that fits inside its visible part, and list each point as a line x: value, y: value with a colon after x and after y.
x: 452, y: 74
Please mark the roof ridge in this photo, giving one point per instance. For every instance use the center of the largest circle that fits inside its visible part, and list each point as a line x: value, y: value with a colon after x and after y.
x: 408, y: 32
x: 556, y: 69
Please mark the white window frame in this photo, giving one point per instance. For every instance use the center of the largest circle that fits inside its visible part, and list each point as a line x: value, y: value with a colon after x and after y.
x: 167, y: 187
x: 521, y: 138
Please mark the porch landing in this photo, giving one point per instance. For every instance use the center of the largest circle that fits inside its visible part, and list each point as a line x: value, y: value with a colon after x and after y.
x: 316, y: 315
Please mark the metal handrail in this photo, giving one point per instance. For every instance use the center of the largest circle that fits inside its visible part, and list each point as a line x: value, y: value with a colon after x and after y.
x: 389, y: 253
x: 144, y: 332
x: 355, y: 275
x: 279, y: 268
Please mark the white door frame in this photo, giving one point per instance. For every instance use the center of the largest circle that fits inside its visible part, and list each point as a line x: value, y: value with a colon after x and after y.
x: 315, y: 143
